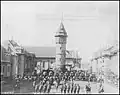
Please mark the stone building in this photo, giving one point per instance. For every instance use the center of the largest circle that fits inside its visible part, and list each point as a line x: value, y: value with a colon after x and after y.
x: 20, y: 59
x: 61, y: 40
x: 5, y: 63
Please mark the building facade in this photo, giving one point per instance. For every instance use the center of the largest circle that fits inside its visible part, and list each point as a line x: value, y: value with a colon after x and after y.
x: 5, y: 63
x: 20, y: 59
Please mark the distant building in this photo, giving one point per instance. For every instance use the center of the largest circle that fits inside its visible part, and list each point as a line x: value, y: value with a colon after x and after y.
x: 5, y: 63
x: 55, y: 57
x: 45, y: 57
x: 106, y: 59
x: 21, y: 60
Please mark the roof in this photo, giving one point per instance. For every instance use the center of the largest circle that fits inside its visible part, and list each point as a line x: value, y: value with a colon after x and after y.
x: 61, y: 31
x: 42, y: 51
x: 5, y: 57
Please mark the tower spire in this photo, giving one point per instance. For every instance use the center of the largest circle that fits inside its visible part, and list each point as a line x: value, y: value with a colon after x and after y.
x: 62, y: 18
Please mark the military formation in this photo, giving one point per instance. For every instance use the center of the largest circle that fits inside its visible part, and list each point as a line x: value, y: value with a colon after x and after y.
x: 45, y: 81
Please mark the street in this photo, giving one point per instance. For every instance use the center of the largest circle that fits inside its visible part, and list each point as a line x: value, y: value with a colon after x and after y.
x: 26, y: 87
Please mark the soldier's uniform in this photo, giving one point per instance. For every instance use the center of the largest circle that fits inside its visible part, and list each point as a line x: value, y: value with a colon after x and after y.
x: 62, y: 88
x: 101, y: 89
x: 65, y: 88
x: 75, y: 89
x: 78, y: 89
x: 68, y: 89
x: 45, y: 87
x: 72, y: 88
x: 48, y: 88
x: 41, y: 87
x: 88, y: 88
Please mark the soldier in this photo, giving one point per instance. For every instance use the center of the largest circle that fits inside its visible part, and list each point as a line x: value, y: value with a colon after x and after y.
x: 45, y: 87
x: 75, y: 89
x: 48, y: 88
x: 65, y: 88
x: 78, y: 89
x: 72, y: 88
x: 36, y: 88
x: 88, y: 88
x: 62, y: 88
x: 101, y: 88
x: 41, y: 87
x: 68, y: 88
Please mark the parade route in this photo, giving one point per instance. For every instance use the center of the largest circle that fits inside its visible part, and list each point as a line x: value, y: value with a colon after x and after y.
x: 26, y: 87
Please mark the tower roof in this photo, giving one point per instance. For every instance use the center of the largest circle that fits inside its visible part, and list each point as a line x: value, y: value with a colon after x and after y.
x: 61, y: 31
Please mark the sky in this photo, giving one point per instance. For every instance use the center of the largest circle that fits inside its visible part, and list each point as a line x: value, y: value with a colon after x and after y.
x: 34, y: 23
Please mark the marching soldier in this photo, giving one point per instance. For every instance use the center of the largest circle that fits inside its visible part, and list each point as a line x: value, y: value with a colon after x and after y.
x: 45, y: 87
x: 41, y: 87
x: 65, y: 88
x: 101, y: 89
x: 48, y: 88
x: 88, y: 88
x: 75, y: 89
x: 62, y: 88
x: 68, y: 88
x: 72, y: 88
x: 78, y: 89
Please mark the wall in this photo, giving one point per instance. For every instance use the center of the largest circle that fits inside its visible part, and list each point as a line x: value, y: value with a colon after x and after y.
x: 14, y: 62
x: 22, y: 64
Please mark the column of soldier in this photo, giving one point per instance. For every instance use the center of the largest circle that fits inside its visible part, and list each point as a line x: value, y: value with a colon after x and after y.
x: 44, y: 82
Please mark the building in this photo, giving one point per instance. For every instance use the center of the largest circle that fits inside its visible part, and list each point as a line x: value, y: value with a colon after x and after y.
x: 105, y: 58
x: 107, y: 65
x: 55, y: 57
x: 5, y: 63
x: 61, y: 40
x: 45, y: 57
x: 21, y: 60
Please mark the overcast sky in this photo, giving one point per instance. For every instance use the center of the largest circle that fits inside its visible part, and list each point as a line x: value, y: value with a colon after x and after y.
x: 23, y: 21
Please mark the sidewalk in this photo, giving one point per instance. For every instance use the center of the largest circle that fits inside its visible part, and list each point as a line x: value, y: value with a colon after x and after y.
x: 110, y: 89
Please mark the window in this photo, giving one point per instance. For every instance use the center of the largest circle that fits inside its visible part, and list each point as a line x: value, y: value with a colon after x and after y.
x: 43, y: 64
x: 51, y: 62
x: 3, y: 69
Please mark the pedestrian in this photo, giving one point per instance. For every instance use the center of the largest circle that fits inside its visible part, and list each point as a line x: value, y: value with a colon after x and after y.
x: 78, y: 89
